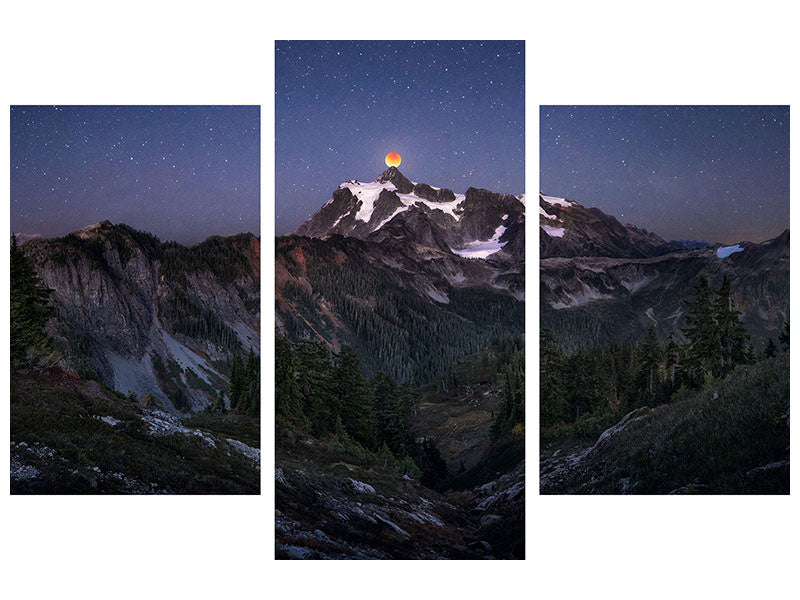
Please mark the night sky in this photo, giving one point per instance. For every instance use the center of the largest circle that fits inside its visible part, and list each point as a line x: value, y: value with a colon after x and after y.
x: 454, y: 111
x: 714, y: 173
x: 182, y: 173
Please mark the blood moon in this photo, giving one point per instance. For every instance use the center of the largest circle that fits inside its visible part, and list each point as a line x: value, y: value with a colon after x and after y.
x: 393, y: 159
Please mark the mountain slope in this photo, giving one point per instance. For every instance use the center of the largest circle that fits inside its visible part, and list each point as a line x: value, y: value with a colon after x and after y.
x: 567, y: 229
x: 600, y: 300
x: 731, y: 437
x: 150, y: 317
x: 411, y: 276
x: 405, y: 310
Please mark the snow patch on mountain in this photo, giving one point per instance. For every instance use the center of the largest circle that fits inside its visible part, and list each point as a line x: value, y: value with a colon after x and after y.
x: 368, y: 193
x: 553, y: 231
x: 546, y: 215
x: 446, y: 207
x: 482, y: 248
x: 726, y: 251
x: 556, y: 201
x: 392, y: 216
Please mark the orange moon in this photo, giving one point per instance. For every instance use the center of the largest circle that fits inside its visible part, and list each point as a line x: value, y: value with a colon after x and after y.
x: 393, y: 159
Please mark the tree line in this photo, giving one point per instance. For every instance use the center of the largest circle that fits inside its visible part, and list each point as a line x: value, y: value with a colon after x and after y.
x: 592, y: 388
x: 326, y: 394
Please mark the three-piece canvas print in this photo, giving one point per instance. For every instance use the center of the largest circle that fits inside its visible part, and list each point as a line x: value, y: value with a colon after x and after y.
x: 398, y: 330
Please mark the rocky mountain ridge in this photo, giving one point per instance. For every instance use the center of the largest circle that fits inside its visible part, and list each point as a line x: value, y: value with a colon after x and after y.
x: 411, y: 276
x: 602, y: 283
x: 148, y: 317
x: 567, y: 228
x: 476, y: 224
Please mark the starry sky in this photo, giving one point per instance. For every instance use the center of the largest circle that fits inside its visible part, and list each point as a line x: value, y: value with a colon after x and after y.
x: 714, y: 173
x: 454, y: 111
x: 183, y: 173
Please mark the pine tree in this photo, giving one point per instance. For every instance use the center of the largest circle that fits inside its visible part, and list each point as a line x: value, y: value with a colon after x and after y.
x: 237, y: 381
x: 730, y: 330
x: 392, y: 423
x: 704, y: 341
x: 315, y: 378
x: 354, y: 398
x: 252, y: 384
x: 287, y: 389
x: 672, y: 355
x: 552, y: 382
x: 30, y: 312
x: 649, y: 355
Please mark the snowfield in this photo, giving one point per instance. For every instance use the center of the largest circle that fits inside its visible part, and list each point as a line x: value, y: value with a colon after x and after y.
x: 726, y: 251
x: 482, y: 249
x: 556, y: 201
x: 369, y: 192
x: 553, y: 231
x: 547, y: 215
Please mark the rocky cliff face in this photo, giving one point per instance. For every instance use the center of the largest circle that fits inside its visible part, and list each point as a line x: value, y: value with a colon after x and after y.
x: 152, y: 318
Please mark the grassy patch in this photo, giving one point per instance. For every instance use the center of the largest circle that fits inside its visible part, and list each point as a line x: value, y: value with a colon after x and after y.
x: 715, y: 441
x: 63, y: 415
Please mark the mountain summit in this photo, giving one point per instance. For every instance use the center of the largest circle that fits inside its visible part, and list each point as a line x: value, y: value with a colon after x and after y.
x: 476, y: 224
x: 383, y: 260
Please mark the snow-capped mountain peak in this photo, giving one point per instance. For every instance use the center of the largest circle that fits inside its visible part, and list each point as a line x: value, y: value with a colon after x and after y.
x: 465, y: 224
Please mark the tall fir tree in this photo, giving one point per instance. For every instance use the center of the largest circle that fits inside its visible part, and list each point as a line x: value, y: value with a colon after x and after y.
x: 30, y: 311
x: 649, y: 355
x: 730, y: 330
x: 392, y: 419
x: 701, y: 330
x: 287, y: 390
x: 354, y: 398
x: 237, y: 382
x: 315, y: 378
x: 552, y: 385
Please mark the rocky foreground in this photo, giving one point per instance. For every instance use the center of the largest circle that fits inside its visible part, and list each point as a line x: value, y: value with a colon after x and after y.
x: 70, y: 435
x: 331, y: 504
